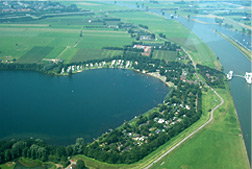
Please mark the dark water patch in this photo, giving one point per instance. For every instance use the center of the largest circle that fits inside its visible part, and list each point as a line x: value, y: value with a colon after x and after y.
x: 60, y: 109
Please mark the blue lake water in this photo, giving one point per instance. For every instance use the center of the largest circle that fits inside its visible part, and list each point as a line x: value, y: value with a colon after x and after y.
x: 87, y: 104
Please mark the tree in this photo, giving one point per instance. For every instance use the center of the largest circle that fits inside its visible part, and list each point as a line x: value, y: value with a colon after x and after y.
x: 80, y: 164
x: 7, y: 155
x: 77, y: 148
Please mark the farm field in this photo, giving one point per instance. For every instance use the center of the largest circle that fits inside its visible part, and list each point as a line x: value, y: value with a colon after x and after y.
x: 85, y: 54
x: 166, y: 55
x: 18, y: 41
x: 174, y: 32
x: 35, y: 54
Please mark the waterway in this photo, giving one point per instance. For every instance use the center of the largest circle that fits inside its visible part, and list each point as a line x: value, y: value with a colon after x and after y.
x: 61, y: 109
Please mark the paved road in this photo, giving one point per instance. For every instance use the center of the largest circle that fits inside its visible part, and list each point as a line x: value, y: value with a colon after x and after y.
x: 194, y: 132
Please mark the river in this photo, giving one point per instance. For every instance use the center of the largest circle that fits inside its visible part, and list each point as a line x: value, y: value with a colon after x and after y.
x: 61, y: 109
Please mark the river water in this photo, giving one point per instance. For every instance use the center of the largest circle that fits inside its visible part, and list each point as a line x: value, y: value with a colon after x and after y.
x: 60, y: 109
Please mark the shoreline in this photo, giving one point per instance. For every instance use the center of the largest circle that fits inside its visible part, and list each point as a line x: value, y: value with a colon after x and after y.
x: 152, y: 74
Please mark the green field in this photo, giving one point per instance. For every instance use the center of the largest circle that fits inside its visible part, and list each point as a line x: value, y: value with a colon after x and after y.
x: 98, y: 39
x: 91, y: 54
x: 35, y: 54
x: 20, y: 41
x: 165, y: 54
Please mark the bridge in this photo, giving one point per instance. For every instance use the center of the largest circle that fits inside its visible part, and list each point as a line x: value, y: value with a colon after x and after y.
x: 247, y: 76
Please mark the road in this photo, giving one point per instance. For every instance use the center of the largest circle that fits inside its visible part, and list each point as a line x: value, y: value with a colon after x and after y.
x: 198, y: 129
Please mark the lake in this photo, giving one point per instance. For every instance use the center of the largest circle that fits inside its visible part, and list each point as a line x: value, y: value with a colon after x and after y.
x: 61, y: 109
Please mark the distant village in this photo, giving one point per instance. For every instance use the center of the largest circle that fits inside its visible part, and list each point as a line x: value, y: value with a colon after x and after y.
x: 11, y: 7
